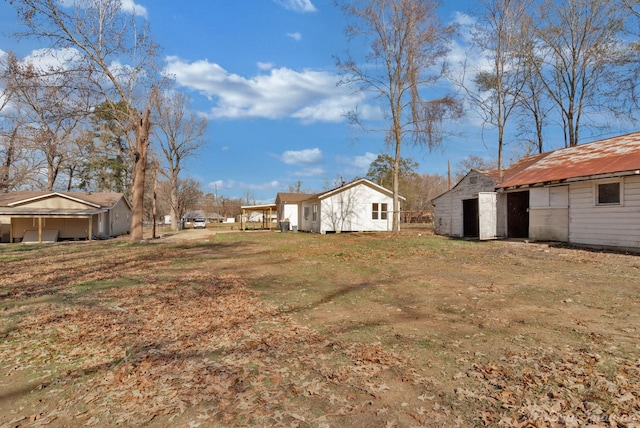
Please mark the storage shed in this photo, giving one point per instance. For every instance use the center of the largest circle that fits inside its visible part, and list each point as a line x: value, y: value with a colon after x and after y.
x: 587, y: 195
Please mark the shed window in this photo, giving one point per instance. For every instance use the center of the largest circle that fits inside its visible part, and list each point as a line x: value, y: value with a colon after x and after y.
x: 314, y: 217
x: 609, y: 194
x: 378, y: 211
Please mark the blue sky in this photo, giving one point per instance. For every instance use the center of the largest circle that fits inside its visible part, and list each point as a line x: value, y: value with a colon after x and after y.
x: 263, y: 72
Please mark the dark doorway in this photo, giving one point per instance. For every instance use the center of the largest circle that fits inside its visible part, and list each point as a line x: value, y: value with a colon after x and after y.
x: 470, y: 218
x: 518, y: 214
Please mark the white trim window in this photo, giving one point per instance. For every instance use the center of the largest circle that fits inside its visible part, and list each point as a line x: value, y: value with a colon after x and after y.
x: 608, y: 193
x: 379, y: 211
x: 314, y: 216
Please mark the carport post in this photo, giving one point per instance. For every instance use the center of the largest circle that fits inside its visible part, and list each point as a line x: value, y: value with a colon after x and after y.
x: 90, y: 229
x: 39, y: 230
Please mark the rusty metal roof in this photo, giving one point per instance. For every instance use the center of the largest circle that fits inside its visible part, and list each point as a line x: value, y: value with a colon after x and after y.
x: 613, y: 155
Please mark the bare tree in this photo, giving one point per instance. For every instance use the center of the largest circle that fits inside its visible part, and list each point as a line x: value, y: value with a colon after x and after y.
x: 102, y: 35
x: 180, y: 134
x: 342, y: 211
x: 419, y: 190
x: 533, y: 105
x: 8, y: 129
x: 498, y: 87
x: 463, y: 167
x: 576, y: 56
x: 51, y: 108
x: 407, y: 44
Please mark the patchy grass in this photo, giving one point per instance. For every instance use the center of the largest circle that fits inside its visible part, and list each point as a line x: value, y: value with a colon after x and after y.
x: 292, y: 329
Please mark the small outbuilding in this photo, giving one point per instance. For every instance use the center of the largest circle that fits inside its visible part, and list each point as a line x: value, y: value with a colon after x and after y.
x: 52, y: 216
x: 587, y: 195
x: 359, y: 206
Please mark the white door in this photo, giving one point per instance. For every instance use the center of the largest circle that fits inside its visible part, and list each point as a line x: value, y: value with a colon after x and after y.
x: 487, y: 214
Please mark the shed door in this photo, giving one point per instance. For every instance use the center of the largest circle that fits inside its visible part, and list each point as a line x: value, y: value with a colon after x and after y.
x: 470, y: 223
x: 518, y: 214
x: 487, y: 215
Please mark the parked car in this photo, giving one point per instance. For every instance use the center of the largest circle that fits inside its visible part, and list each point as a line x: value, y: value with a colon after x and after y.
x: 200, y: 223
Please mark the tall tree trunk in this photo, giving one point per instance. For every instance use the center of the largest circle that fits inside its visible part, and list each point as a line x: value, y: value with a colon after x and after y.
x: 155, y: 201
x: 137, y: 203
x: 175, y: 203
x: 396, y: 178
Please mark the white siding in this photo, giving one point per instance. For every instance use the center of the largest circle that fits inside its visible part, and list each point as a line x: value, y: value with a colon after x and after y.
x: 549, y: 214
x: 607, y: 226
x: 448, y: 207
x: 291, y: 213
x: 350, y: 210
x: 488, y: 216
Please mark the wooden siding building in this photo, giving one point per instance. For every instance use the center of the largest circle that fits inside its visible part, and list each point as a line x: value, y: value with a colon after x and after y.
x: 51, y: 216
x: 586, y: 195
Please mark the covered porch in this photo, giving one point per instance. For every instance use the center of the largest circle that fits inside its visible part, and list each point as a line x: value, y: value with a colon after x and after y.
x: 35, y: 226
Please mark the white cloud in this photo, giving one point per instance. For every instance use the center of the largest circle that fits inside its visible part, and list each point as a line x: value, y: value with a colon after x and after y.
x: 310, y: 172
x: 132, y: 7
x: 221, y: 185
x: 464, y: 20
x: 297, y: 5
x: 295, y: 36
x: 44, y: 59
x: 265, y: 65
x: 358, y: 165
x: 128, y: 6
x: 302, y: 157
x: 308, y: 95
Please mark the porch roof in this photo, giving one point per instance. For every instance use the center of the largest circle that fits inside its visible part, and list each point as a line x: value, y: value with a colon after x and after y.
x: 50, y: 212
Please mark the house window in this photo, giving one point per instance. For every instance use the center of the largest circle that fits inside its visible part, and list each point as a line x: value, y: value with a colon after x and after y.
x: 306, y: 213
x: 608, y: 194
x: 315, y: 213
x: 378, y: 211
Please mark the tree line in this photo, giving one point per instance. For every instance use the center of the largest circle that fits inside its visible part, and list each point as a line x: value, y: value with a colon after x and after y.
x: 568, y: 64
x: 83, y: 112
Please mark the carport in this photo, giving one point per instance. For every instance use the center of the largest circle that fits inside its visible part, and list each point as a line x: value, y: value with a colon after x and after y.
x: 48, y: 225
x: 265, y: 213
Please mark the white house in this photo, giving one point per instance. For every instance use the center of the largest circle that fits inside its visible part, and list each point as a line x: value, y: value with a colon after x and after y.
x: 587, y: 195
x: 52, y: 216
x: 359, y: 206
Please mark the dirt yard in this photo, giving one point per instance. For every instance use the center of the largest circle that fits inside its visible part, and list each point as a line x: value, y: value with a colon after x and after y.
x: 291, y: 329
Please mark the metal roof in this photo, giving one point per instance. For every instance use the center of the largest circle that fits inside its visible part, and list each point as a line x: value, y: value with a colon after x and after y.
x: 605, y: 157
